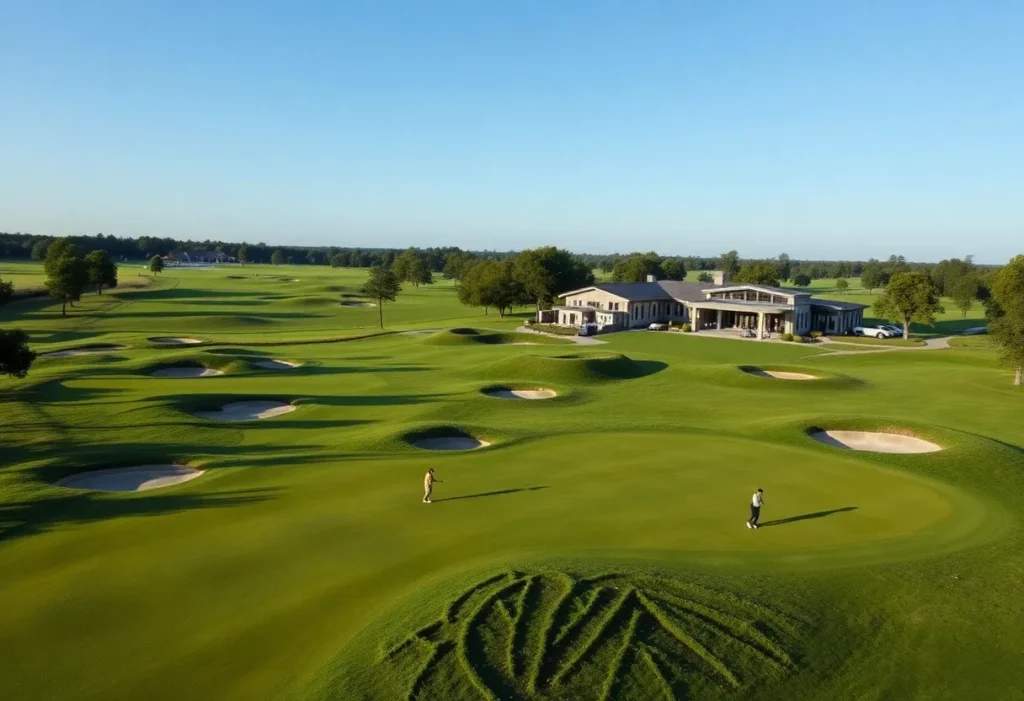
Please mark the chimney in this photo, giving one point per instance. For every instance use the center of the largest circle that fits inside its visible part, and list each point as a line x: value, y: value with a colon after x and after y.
x: 651, y: 278
x: 720, y: 277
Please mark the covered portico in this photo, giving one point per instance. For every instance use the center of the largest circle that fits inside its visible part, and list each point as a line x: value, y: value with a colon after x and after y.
x: 759, y: 317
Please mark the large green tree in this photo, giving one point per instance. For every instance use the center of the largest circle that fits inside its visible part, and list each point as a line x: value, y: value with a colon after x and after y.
x: 101, y: 270
x: 1005, y: 312
x: 842, y: 284
x: 66, y: 274
x: 784, y: 266
x: 492, y: 283
x: 758, y: 274
x: 636, y: 267
x: 674, y: 268
x: 909, y: 297
x: 156, y: 265
x: 547, y: 272
x: 964, y: 292
x: 729, y: 263
x: 15, y: 355
x: 277, y: 257
x: 383, y: 285
x: 873, y: 276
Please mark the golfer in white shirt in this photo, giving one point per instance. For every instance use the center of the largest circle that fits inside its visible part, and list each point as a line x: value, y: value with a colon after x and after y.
x: 755, y: 508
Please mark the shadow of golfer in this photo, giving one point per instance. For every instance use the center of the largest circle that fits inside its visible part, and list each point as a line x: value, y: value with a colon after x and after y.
x: 805, y: 517
x: 494, y: 494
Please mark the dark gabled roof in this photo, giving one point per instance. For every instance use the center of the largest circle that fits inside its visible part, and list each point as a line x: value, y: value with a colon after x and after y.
x: 838, y: 306
x: 687, y: 291
x: 789, y: 291
x: 635, y: 291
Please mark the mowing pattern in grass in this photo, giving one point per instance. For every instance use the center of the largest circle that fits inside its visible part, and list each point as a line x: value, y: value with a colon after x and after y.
x: 519, y: 635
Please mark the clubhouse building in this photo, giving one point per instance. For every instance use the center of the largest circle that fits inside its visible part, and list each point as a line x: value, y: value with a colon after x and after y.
x: 705, y: 306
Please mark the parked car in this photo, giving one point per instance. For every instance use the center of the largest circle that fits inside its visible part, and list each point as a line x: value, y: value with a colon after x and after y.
x: 897, y: 330
x: 588, y: 330
x: 876, y: 331
x: 657, y: 327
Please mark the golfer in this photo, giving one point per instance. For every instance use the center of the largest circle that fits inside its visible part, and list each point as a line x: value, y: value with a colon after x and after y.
x: 755, y: 508
x: 428, y: 485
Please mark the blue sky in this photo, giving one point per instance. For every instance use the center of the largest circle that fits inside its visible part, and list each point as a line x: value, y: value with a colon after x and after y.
x: 824, y: 129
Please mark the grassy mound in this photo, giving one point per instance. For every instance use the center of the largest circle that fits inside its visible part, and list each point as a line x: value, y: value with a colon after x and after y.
x: 573, y: 368
x: 467, y: 336
x: 311, y: 301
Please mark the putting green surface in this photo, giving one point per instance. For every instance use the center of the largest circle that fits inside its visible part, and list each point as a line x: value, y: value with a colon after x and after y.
x: 597, y: 548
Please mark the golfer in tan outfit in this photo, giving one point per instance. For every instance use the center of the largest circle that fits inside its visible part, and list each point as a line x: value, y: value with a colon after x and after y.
x: 428, y: 485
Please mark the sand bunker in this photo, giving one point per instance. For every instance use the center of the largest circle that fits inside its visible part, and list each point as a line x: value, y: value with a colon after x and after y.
x: 83, y: 350
x: 358, y: 304
x: 175, y: 341
x: 874, y: 442
x: 184, y: 372
x: 247, y: 411
x: 275, y: 364
x: 449, y: 443
x: 779, y: 374
x: 131, y: 479
x: 506, y: 393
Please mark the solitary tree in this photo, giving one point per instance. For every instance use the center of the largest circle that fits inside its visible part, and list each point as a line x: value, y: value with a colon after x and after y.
x: 705, y: 276
x: 673, y: 269
x: 873, y: 276
x: 758, y: 274
x: 801, y: 279
x: 964, y: 292
x: 243, y: 254
x: 1006, y: 316
x: 101, y: 270
x: 15, y: 355
x: 156, y: 265
x: 842, y: 284
x: 636, y: 267
x: 909, y: 297
x: 277, y: 257
x: 382, y: 286
x: 65, y: 279
x: 729, y: 263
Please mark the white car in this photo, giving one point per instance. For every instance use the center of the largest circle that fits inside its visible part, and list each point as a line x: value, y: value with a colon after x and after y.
x: 876, y: 331
x: 658, y: 327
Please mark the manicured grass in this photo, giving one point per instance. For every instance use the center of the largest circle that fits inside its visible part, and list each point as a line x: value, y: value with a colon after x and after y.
x: 596, y: 549
x: 869, y: 341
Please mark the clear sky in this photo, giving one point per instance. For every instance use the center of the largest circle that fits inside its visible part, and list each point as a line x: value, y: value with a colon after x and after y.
x: 822, y: 128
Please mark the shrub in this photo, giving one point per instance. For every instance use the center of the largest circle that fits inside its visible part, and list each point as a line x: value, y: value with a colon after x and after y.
x: 686, y: 328
x: 799, y: 339
x: 786, y: 336
x: 816, y: 334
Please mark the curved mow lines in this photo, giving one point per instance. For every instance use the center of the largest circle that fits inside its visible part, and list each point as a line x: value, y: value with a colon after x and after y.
x: 518, y: 635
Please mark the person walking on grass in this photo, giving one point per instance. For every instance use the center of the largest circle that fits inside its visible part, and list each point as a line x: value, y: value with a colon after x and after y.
x: 428, y: 486
x: 755, y: 508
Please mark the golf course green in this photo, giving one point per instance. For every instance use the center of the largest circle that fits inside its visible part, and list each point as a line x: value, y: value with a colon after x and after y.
x: 591, y: 545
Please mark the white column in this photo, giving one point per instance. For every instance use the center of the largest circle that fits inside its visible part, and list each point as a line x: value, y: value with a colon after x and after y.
x: 760, y: 325
x: 719, y: 319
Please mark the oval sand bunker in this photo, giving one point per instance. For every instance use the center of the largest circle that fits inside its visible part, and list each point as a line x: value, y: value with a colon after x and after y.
x: 247, y: 411
x: 506, y: 393
x: 131, y: 479
x: 83, y: 350
x: 275, y: 364
x: 183, y: 372
x: 358, y: 304
x: 175, y: 341
x: 449, y: 443
x: 874, y: 442
x: 779, y: 374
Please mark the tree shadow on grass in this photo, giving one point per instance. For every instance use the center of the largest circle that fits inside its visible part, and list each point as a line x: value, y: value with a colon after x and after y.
x: 806, y: 517
x: 23, y: 518
x: 495, y: 493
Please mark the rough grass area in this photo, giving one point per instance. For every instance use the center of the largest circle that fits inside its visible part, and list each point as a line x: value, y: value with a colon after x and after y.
x: 597, y: 548
x: 869, y: 341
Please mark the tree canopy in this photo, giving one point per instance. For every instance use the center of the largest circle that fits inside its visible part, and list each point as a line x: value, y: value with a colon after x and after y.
x: 758, y: 274
x: 15, y: 355
x: 909, y: 297
x: 383, y: 285
x: 1005, y: 312
x: 729, y: 263
x: 673, y: 268
x: 842, y: 284
x: 873, y: 276
x: 636, y: 267
x: 964, y: 292
x: 277, y: 257
x: 66, y: 273
x: 156, y: 264
x: 802, y: 280
x: 101, y: 270
x: 546, y: 272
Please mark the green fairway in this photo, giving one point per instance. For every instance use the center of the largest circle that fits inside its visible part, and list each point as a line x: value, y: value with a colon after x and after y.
x: 595, y: 548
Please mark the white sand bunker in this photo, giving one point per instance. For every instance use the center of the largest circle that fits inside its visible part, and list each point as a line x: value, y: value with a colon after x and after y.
x: 131, y: 479
x: 247, y: 411
x: 358, y: 304
x: 83, y: 350
x: 874, y: 442
x: 190, y: 371
x: 506, y: 393
x: 175, y: 341
x: 275, y: 364
x: 449, y: 443
x: 779, y: 374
